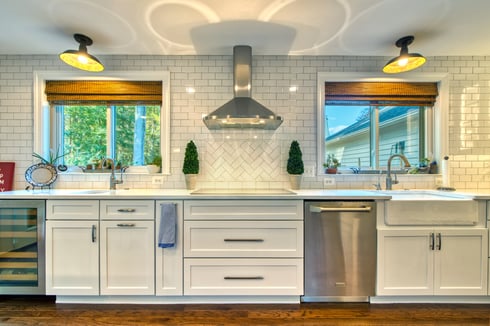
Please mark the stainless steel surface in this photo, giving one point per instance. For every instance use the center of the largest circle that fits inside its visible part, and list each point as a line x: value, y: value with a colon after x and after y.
x: 242, y: 111
x: 321, y: 209
x: 205, y: 191
x: 389, y: 181
x: 340, y: 251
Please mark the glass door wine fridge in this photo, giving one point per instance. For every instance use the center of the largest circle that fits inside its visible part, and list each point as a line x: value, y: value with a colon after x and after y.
x: 22, y: 246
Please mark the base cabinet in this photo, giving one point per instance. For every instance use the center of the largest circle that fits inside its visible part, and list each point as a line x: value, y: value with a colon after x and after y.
x: 72, y: 247
x: 432, y: 261
x: 242, y: 247
x: 100, y: 247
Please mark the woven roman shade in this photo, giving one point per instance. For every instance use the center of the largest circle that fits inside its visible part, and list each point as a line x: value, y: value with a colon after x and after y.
x: 73, y: 92
x: 380, y: 93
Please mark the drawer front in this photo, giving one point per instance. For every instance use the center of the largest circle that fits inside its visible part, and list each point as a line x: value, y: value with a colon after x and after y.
x: 72, y: 209
x: 243, y: 276
x: 243, y: 239
x: 127, y: 209
x: 243, y: 210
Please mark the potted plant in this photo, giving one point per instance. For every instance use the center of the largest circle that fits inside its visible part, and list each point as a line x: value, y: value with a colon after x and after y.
x: 52, y: 159
x: 190, y: 167
x: 331, y: 164
x: 155, y: 164
x: 295, y: 166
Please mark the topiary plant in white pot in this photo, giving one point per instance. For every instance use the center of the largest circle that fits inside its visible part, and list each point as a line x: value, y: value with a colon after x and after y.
x: 190, y: 167
x: 295, y: 166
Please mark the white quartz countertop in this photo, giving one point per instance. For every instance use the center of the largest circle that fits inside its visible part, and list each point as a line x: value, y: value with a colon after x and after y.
x: 313, y: 194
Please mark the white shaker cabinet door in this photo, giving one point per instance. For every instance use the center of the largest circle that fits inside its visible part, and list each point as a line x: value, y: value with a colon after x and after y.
x: 72, y: 258
x: 405, y: 263
x: 461, y: 258
x: 127, y: 258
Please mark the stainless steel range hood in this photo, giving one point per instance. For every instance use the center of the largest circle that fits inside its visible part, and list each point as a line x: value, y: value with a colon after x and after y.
x: 242, y: 111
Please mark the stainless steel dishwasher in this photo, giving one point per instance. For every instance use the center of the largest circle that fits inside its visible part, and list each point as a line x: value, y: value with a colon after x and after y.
x: 340, y: 251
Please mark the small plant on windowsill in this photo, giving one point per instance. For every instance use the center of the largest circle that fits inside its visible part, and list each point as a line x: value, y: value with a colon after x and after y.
x: 155, y: 164
x: 52, y: 159
x: 331, y: 164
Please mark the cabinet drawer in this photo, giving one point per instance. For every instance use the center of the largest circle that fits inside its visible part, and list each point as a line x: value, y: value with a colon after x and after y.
x: 243, y: 239
x: 243, y: 276
x: 72, y: 209
x: 243, y: 209
x: 127, y: 209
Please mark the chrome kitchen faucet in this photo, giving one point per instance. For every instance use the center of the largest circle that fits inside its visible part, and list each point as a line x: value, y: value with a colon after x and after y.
x: 389, y: 181
x: 113, y: 180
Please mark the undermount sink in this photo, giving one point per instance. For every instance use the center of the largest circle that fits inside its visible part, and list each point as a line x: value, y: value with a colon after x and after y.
x: 91, y: 192
x: 273, y: 192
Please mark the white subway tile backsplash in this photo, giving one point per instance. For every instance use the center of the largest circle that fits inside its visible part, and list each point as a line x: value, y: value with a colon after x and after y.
x: 247, y: 158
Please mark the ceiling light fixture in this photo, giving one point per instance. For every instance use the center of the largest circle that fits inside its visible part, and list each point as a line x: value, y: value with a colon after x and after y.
x: 81, y: 59
x: 405, y: 61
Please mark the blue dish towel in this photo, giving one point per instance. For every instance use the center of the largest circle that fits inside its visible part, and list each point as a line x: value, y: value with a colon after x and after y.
x: 168, y: 225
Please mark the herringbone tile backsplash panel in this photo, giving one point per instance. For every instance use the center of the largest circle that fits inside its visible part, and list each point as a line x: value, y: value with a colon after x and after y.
x: 241, y: 160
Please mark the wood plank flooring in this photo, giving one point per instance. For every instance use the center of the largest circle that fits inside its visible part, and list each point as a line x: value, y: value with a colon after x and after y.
x: 41, y: 310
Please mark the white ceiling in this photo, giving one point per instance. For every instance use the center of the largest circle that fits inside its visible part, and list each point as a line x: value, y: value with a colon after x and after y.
x: 295, y: 27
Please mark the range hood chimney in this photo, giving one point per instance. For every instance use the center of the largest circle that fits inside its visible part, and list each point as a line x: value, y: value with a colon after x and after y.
x: 242, y: 111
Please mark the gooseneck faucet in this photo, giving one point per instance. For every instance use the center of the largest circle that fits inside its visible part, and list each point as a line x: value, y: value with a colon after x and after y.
x: 389, y: 181
x: 113, y: 180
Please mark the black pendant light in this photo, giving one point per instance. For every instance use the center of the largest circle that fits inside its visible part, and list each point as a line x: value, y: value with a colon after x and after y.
x: 405, y: 61
x: 81, y: 59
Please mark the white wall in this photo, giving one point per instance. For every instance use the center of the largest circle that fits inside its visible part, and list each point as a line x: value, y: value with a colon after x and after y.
x: 245, y: 158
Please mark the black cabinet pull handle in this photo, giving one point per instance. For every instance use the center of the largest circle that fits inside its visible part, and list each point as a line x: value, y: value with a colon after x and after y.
x: 243, y: 277
x: 126, y: 210
x: 94, y: 233
x: 127, y: 225
x: 439, y: 241
x: 431, y: 245
x: 243, y: 240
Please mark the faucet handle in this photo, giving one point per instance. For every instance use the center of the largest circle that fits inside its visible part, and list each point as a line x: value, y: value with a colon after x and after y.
x: 395, y: 181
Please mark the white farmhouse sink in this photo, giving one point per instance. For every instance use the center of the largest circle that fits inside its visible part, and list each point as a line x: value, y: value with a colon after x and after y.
x: 422, y: 195
x: 408, y: 207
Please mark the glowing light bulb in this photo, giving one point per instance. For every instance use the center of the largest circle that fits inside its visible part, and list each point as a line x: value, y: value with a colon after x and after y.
x: 82, y: 59
x: 403, y: 62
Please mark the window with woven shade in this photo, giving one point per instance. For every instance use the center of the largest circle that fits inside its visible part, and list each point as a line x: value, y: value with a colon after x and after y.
x: 95, y: 119
x: 367, y: 122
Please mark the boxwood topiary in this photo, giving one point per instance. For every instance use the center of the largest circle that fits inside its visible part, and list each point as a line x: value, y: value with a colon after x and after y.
x: 191, y: 159
x: 295, y: 160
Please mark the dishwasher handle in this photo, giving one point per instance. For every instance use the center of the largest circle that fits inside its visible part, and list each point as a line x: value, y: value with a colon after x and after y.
x: 320, y: 209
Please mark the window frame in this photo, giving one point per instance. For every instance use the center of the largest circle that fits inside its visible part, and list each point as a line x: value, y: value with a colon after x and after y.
x: 42, y: 119
x: 439, y: 136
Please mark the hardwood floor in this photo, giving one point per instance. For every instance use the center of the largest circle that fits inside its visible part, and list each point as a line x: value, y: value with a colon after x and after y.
x: 40, y: 310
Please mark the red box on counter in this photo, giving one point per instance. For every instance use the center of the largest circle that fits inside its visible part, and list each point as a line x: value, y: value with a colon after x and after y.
x: 7, y: 170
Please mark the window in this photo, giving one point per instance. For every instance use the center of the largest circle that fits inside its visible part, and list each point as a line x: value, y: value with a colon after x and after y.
x: 104, y: 117
x: 363, y: 121
x: 366, y: 136
x: 130, y: 134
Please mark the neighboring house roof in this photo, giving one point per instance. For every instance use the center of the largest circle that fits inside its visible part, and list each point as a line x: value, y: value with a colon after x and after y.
x: 385, y: 115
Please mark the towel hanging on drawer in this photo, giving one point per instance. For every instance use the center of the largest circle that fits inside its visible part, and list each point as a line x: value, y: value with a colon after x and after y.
x: 168, y: 225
